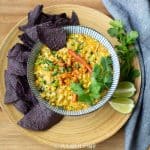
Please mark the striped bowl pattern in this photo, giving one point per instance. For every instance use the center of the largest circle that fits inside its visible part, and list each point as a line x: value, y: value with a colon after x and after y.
x: 116, y: 70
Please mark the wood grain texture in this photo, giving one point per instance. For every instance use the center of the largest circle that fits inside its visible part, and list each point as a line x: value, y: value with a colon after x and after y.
x: 10, y: 138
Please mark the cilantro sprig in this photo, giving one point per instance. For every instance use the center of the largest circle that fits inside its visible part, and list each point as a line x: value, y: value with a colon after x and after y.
x: 126, y: 49
x: 101, y: 79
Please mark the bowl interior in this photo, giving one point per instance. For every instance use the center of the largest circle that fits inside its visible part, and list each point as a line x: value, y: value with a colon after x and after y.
x: 116, y: 70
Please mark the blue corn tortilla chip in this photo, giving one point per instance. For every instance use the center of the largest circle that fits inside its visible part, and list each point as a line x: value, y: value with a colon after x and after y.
x: 27, y: 100
x: 10, y: 94
x: 39, y: 118
x: 27, y: 41
x: 13, y: 79
x: 54, y: 38
x: 17, y: 68
x: 24, y: 86
x: 62, y: 15
x: 48, y: 17
x: 23, y: 106
x: 60, y: 22
x: 15, y: 85
x: 74, y: 19
x: 30, y: 97
x: 19, y: 52
x: 26, y: 103
x: 27, y: 94
x: 56, y: 20
x: 19, y: 93
x: 32, y: 32
x: 33, y: 17
x: 36, y: 17
x: 45, y: 17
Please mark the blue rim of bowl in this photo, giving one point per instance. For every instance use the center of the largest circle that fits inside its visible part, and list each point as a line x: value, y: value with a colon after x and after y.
x: 116, y: 71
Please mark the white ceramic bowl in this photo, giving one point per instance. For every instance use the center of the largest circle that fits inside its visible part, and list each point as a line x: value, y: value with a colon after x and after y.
x: 116, y: 71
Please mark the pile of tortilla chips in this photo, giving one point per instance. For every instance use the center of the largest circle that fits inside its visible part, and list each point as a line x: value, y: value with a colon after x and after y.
x: 47, y: 29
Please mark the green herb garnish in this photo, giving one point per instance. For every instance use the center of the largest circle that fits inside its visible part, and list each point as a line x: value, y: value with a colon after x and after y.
x: 62, y: 70
x: 42, y: 81
x: 101, y: 79
x: 69, y: 69
x: 126, y: 49
x: 55, y: 73
x: 46, y: 68
x: 53, y: 52
x: 50, y: 63
x: 79, y: 47
x: 55, y: 83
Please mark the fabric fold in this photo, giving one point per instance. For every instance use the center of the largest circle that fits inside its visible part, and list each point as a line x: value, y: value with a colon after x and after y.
x: 136, y: 16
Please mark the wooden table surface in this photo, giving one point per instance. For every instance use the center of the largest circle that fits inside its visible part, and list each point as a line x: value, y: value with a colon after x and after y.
x: 11, y: 11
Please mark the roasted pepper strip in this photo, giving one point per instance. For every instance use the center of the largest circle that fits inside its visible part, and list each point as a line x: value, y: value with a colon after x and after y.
x: 79, y: 59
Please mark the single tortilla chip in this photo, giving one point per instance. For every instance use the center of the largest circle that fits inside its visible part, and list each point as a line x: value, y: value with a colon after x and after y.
x: 15, y: 82
x: 54, y: 38
x: 74, y: 19
x: 27, y: 94
x: 19, y: 93
x: 17, y: 68
x: 45, y: 17
x: 51, y: 17
x: 58, y: 16
x: 10, y: 94
x: 26, y: 40
x: 30, y: 97
x: 33, y: 17
x: 19, y: 52
x: 40, y: 118
x: 60, y: 22
x: 32, y: 32
x: 24, y: 87
x: 23, y: 106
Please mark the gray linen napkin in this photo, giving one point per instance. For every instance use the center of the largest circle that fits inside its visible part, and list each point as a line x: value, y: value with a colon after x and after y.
x: 136, y: 15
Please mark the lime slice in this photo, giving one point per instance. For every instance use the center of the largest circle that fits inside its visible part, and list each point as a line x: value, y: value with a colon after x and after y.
x: 125, y: 89
x: 122, y: 105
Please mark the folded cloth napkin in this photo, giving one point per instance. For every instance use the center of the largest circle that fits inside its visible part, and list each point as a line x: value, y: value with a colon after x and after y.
x: 136, y: 16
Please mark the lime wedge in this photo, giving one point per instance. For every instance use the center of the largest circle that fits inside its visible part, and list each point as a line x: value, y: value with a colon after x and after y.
x: 122, y: 105
x: 125, y: 89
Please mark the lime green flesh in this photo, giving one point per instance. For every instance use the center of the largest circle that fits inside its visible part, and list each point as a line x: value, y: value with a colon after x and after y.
x: 125, y: 89
x: 122, y: 105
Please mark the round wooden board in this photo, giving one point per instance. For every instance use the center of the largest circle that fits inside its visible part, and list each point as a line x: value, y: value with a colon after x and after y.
x: 71, y: 132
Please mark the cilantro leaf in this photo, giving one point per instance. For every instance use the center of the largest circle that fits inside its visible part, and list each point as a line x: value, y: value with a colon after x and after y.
x: 117, y: 24
x: 96, y: 72
x: 77, y: 88
x: 134, y: 73
x: 126, y: 49
x: 106, y: 62
x: 85, y: 98
x: 95, y: 88
x: 113, y: 32
x: 101, y: 78
x: 131, y: 37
